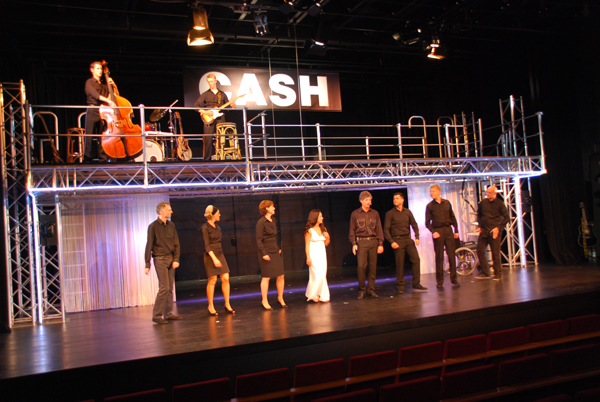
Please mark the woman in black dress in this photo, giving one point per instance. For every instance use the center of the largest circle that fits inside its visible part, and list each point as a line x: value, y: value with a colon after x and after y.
x: 269, y: 254
x: 214, y: 260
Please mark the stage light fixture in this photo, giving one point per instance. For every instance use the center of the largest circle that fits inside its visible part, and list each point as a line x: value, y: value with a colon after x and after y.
x: 435, y: 49
x: 409, y: 38
x: 317, y: 7
x: 200, y: 34
x: 261, y: 24
x: 312, y: 46
x: 317, y: 43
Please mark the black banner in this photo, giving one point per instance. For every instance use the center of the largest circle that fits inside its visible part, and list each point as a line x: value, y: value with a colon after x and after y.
x: 282, y: 89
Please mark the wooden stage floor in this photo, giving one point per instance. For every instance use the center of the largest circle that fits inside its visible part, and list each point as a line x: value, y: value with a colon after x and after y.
x: 120, y: 340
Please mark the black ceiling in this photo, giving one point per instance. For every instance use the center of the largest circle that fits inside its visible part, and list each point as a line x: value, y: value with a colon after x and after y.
x: 360, y: 37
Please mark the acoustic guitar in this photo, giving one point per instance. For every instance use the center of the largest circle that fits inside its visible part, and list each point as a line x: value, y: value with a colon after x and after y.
x: 183, y: 147
x: 216, y: 112
x: 587, y: 238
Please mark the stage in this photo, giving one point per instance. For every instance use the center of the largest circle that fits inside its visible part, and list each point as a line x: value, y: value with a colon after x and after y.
x: 109, y: 352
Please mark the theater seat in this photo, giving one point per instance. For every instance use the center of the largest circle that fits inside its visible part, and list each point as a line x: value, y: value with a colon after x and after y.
x: 369, y: 364
x: 155, y: 395
x: 582, y: 325
x: 207, y: 391
x: 507, y: 338
x: 318, y: 373
x: 524, y: 369
x: 462, y: 347
x: 363, y: 395
x: 264, y: 382
x: 575, y: 359
x: 556, y: 398
x: 547, y: 331
x: 469, y: 381
x: 420, y: 354
x: 425, y: 389
x: 590, y: 395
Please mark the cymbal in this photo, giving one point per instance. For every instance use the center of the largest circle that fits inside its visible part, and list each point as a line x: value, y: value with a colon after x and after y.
x: 157, y: 115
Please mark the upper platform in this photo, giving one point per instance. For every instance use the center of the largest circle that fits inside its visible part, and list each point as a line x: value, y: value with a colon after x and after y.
x: 246, y: 177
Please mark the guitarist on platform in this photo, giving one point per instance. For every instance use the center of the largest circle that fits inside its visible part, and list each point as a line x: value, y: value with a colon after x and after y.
x: 213, y: 98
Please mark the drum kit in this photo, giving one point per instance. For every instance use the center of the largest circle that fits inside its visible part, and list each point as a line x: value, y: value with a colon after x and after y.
x: 160, y: 145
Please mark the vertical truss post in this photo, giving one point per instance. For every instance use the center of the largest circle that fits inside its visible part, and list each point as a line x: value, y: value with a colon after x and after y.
x: 15, y: 159
x: 48, y: 272
x: 520, y: 234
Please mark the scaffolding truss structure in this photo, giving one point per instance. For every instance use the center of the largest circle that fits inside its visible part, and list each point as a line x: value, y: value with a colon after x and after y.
x: 16, y: 207
x: 520, y: 232
x: 32, y: 193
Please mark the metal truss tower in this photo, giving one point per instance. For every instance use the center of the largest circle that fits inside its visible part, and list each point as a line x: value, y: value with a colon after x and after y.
x: 520, y: 233
x: 16, y: 207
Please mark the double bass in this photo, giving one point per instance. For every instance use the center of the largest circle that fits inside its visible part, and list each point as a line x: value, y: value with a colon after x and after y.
x: 122, y: 138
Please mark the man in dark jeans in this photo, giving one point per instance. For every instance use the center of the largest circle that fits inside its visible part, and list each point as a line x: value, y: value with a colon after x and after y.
x: 396, y: 230
x: 366, y: 236
x: 439, y: 219
x: 163, y: 246
x: 492, y: 217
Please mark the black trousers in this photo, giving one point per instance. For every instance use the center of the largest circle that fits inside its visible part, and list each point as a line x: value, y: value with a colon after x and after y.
x: 446, y: 240
x: 93, y: 125
x: 407, y: 246
x: 163, y: 305
x: 482, y: 243
x: 367, y: 256
x: 207, y: 140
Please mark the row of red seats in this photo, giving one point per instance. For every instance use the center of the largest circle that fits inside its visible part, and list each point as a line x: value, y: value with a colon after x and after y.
x: 445, y: 381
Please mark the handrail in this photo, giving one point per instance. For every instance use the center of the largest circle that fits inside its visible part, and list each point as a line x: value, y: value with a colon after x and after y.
x: 421, y: 367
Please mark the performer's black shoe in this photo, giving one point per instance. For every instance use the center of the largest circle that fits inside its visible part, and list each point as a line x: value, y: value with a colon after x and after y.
x: 361, y: 295
x: 456, y: 284
x: 439, y: 286
x: 174, y: 317
x: 420, y: 287
x: 268, y: 309
x: 400, y: 291
x: 214, y: 314
x: 282, y: 305
x: 373, y: 295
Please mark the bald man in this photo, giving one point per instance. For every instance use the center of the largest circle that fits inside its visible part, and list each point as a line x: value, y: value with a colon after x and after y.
x: 492, y: 217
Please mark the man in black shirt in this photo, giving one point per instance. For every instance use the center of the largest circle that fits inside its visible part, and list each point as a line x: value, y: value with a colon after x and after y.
x: 212, y: 98
x: 492, y: 217
x: 439, y: 219
x: 96, y: 95
x: 366, y: 236
x: 163, y: 246
x: 396, y: 230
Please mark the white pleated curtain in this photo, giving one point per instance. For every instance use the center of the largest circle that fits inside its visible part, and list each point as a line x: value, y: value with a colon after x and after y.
x: 103, y: 242
x: 418, y: 198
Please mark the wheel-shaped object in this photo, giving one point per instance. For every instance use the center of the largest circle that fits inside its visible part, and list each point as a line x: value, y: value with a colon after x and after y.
x: 466, y: 261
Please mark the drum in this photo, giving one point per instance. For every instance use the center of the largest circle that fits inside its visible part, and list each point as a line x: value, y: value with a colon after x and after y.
x: 154, y: 152
x: 150, y: 126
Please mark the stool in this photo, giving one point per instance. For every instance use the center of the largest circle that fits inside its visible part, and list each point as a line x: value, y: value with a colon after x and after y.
x: 73, y: 156
x: 222, y: 151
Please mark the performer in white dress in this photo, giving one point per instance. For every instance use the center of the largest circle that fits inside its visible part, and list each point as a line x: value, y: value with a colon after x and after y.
x: 316, y: 239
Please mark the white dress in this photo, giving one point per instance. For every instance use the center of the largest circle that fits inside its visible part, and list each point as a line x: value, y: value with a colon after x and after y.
x: 317, y: 283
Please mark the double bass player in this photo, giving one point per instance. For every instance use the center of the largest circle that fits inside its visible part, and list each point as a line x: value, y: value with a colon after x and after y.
x: 97, y: 95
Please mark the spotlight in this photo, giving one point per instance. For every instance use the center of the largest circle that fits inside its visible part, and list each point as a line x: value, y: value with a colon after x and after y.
x: 317, y: 7
x: 200, y: 34
x: 409, y: 38
x: 435, y: 49
x: 315, y: 47
x: 261, y: 24
x: 317, y: 44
